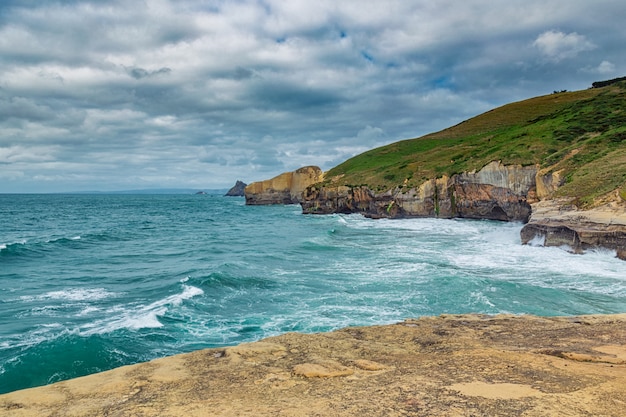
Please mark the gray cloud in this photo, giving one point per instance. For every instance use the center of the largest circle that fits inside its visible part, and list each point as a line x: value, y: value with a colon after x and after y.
x: 139, y: 73
x: 194, y: 93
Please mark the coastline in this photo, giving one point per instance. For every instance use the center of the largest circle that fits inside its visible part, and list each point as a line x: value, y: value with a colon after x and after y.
x: 441, y: 366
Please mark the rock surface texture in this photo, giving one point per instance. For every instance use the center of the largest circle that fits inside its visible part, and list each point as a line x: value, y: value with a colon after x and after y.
x: 435, y: 366
x: 496, y: 192
x: 285, y: 188
x: 237, y: 190
x: 556, y: 223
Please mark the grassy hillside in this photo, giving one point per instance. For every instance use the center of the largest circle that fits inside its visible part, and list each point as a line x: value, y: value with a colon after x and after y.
x: 583, y: 133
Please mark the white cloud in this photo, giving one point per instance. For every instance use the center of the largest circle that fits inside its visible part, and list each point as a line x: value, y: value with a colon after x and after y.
x: 605, y: 67
x: 557, y: 45
x: 173, y: 93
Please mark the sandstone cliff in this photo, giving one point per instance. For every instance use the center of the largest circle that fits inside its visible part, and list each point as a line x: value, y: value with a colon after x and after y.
x: 496, y: 192
x: 285, y: 188
x: 434, y: 366
x: 559, y: 223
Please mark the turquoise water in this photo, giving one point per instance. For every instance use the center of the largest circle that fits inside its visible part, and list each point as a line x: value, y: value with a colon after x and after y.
x: 92, y: 282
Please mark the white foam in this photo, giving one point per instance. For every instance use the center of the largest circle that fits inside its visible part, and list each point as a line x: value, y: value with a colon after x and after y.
x: 538, y: 240
x: 72, y: 294
x: 42, y: 334
x: 143, y: 317
x: 88, y: 310
x: 477, y: 297
x: 189, y: 291
x: 6, y: 245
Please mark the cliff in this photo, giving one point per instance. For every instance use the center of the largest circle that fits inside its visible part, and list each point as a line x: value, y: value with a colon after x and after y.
x: 434, y: 366
x: 496, y: 192
x: 559, y: 223
x: 285, y: 188
x: 565, y: 150
x: 237, y: 190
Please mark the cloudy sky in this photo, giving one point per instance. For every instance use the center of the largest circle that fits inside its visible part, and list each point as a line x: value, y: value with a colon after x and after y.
x: 114, y: 95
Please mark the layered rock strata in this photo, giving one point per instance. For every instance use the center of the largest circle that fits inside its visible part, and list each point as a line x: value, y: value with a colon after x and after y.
x: 434, y: 366
x: 496, y: 192
x: 286, y: 188
x: 558, y: 223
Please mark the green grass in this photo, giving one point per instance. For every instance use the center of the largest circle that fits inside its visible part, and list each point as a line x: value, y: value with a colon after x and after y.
x: 543, y: 131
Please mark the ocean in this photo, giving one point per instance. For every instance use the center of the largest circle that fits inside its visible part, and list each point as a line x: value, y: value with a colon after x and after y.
x: 93, y: 282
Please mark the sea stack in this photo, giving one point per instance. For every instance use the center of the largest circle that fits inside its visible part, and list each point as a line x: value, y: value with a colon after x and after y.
x: 237, y: 189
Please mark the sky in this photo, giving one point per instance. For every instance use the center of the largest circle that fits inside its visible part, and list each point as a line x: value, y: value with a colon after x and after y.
x: 118, y: 95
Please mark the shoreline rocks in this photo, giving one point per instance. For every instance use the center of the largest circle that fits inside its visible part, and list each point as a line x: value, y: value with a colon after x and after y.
x: 496, y: 192
x: 558, y: 223
x: 237, y: 190
x: 451, y: 365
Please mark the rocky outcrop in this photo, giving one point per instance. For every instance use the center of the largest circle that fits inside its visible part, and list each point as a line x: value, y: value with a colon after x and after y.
x: 433, y: 366
x: 286, y: 188
x: 496, y: 192
x: 577, y: 236
x: 559, y: 223
x: 237, y: 190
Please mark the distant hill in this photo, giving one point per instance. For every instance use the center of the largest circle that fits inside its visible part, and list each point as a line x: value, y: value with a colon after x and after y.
x: 581, y: 134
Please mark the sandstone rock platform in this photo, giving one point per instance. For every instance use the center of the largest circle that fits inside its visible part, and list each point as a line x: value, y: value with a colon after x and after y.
x: 468, y: 365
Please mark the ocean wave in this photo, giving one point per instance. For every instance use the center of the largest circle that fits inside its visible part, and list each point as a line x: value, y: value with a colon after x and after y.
x: 42, y: 245
x: 32, y: 247
x: 141, y: 317
x: 67, y: 355
x: 11, y: 248
x: 234, y: 280
x: 71, y: 294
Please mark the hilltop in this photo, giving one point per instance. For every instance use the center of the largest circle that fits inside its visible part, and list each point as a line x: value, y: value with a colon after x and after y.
x: 555, y: 162
x: 581, y: 135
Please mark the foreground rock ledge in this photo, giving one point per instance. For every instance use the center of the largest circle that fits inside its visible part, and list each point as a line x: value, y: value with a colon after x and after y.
x: 436, y: 366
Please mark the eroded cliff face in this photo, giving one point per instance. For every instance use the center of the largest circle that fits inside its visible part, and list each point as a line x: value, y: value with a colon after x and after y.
x: 496, y: 192
x: 285, y: 188
x: 556, y: 222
